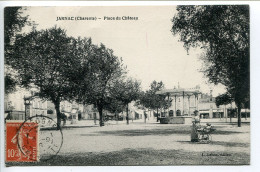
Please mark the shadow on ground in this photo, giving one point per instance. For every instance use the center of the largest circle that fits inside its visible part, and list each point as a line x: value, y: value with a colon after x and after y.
x: 180, y: 130
x: 230, y: 144
x: 65, y: 127
x: 137, y: 157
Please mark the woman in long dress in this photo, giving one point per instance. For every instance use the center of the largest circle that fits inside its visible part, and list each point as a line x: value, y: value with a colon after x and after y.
x: 195, y: 123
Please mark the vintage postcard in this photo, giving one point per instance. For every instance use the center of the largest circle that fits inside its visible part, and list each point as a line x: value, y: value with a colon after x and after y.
x: 164, y: 85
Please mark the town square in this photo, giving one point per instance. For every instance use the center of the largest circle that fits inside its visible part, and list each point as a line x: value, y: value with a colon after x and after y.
x: 127, y: 86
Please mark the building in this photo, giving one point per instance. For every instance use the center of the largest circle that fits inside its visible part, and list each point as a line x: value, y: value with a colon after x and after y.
x: 133, y: 112
x: 14, y: 105
x: 16, y: 108
x: 184, y: 101
x: 23, y: 103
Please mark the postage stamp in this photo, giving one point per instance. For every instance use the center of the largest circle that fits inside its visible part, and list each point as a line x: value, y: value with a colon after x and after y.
x: 21, y: 142
x: 32, y: 140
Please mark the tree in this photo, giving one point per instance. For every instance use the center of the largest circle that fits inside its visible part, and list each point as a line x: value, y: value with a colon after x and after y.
x: 126, y: 92
x: 153, y: 101
x: 99, y: 71
x: 10, y: 83
x: 13, y: 23
x: 114, y: 106
x: 223, y: 32
x: 48, y: 60
x: 158, y: 101
x: 223, y: 99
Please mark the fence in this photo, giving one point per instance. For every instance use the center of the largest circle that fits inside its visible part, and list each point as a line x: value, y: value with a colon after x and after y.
x: 15, y: 115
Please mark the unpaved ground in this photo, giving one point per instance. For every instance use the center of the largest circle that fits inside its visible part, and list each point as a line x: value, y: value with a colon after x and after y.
x: 150, y: 144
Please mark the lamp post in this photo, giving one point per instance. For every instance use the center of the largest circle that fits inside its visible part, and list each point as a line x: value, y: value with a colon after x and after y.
x: 183, y: 103
x: 168, y: 103
x: 189, y: 105
x: 175, y: 105
x: 27, y: 103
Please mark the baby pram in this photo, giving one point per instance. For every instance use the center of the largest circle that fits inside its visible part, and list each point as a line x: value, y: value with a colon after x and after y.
x: 204, y: 133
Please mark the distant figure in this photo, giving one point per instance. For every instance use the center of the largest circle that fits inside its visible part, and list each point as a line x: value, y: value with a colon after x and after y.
x: 195, y: 125
x: 79, y: 116
x: 64, y: 118
x: 95, y: 118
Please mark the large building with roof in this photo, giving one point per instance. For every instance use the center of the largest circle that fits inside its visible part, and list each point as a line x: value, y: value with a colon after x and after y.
x: 184, y: 101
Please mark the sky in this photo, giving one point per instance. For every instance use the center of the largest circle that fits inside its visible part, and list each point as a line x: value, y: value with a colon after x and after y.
x: 148, y: 48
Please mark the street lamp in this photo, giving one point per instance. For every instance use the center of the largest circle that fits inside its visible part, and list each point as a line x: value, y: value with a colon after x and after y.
x: 27, y: 103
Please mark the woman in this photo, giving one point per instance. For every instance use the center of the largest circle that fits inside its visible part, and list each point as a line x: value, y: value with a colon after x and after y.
x: 195, y: 125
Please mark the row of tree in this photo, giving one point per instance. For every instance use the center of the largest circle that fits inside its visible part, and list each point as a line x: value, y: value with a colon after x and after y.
x: 72, y: 69
x: 67, y: 68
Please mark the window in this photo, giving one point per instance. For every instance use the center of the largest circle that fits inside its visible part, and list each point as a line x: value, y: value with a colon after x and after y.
x: 171, y: 113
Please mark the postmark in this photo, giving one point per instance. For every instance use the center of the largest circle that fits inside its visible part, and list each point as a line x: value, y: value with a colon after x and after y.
x: 50, y: 138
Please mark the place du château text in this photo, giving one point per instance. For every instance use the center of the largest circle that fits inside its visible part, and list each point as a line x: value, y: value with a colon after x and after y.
x: 97, y: 18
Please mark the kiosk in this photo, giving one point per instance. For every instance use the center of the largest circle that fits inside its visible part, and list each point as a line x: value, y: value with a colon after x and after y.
x: 181, y: 110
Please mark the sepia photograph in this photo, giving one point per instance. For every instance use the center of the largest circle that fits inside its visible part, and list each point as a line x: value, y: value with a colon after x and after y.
x: 165, y: 85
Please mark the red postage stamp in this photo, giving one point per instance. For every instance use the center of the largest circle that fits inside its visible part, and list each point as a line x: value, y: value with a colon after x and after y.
x: 21, y: 142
